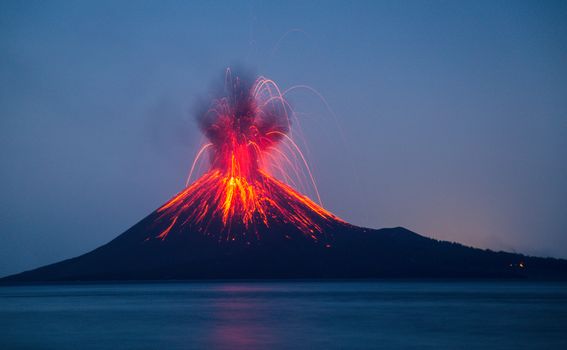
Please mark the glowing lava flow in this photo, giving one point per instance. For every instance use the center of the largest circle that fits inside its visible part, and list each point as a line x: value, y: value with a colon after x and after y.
x: 238, y: 198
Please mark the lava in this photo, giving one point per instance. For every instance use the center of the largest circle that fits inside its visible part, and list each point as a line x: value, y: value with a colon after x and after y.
x: 239, y: 197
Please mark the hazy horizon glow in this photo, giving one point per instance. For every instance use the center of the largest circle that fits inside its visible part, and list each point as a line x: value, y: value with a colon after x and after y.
x: 449, y: 119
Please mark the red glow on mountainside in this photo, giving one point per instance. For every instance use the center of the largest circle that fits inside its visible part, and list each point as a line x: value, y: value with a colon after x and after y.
x: 248, y: 131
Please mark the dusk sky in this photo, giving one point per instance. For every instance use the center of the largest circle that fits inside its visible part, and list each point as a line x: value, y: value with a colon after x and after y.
x: 447, y: 118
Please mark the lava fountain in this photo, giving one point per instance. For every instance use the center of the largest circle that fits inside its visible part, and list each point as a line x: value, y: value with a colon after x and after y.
x: 248, y: 129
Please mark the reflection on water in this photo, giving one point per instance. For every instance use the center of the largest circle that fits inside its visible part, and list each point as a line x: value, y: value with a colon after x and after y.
x: 286, y: 315
x: 236, y: 325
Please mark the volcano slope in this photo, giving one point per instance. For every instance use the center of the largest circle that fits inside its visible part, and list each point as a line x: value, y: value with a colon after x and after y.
x: 282, y: 250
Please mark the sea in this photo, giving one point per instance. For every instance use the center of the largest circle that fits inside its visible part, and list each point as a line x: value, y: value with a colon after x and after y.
x: 378, y: 314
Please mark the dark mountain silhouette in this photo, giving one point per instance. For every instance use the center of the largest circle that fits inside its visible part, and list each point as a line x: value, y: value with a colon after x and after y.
x: 239, y: 221
x: 350, y: 252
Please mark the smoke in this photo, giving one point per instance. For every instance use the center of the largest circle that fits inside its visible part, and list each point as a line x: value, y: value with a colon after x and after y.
x: 246, y: 115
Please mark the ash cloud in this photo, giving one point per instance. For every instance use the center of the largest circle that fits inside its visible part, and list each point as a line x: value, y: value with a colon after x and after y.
x: 243, y: 108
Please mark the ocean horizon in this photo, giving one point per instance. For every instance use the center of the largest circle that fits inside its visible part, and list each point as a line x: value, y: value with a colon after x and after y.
x: 389, y: 314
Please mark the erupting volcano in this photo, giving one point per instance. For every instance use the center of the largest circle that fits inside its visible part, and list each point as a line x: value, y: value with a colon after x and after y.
x: 243, y: 218
x: 238, y: 198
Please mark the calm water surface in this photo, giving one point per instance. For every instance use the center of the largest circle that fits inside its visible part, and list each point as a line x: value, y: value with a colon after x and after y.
x: 286, y: 315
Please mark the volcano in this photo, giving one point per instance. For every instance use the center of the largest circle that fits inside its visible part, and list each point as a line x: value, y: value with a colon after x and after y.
x: 243, y: 218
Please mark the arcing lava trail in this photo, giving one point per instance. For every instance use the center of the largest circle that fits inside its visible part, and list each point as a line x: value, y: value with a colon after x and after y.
x: 238, y: 198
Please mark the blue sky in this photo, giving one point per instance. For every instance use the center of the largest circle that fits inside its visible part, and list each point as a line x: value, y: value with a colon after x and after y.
x: 453, y: 114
